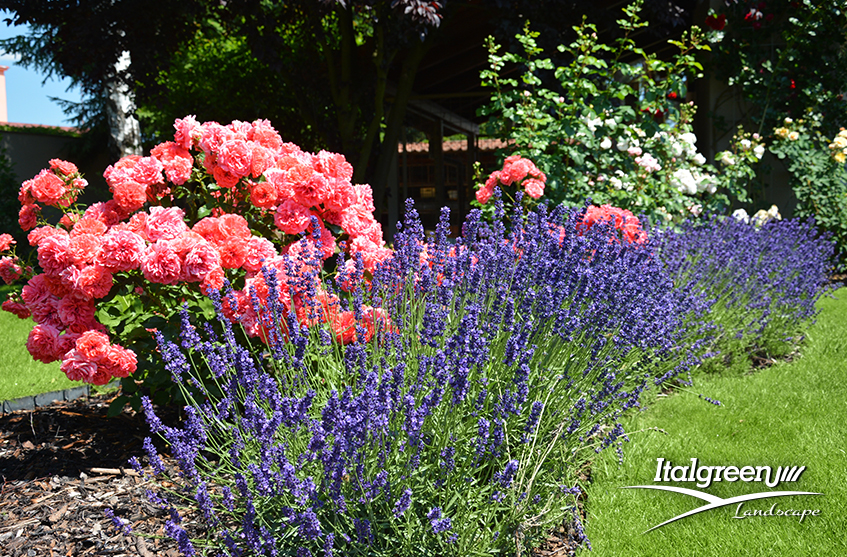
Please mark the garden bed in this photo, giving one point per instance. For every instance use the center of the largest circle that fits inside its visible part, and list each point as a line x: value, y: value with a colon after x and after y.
x: 62, y: 465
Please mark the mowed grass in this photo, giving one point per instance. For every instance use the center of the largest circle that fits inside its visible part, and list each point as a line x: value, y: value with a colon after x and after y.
x: 20, y: 375
x: 793, y: 413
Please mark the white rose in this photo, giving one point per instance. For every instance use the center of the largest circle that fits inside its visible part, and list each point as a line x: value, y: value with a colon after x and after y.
x: 745, y: 144
x: 688, y: 137
x: 699, y: 159
x: 622, y: 144
x: 741, y: 215
x: 684, y: 181
x: 773, y: 212
x: 726, y: 158
x: 759, y: 150
x: 606, y: 143
x: 592, y: 123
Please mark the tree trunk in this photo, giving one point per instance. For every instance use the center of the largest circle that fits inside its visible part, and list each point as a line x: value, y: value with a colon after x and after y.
x: 124, y: 131
x: 395, y: 121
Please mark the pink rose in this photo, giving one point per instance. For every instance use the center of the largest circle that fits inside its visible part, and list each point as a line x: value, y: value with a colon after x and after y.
x: 84, y: 248
x: 176, y: 161
x: 94, y: 281
x: 263, y: 194
x: 121, y: 251
x: 10, y: 271
x: 6, y: 241
x: 333, y: 165
x: 161, y: 264
x: 534, y: 188
x: 53, y: 254
x: 75, y: 308
x: 484, y: 193
x: 120, y: 362
x: 93, y: 345
x: 292, y: 218
x: 188, y: 132
x: 265, y: 135
x: 236, y: 157
x: 165, y: 223
x: 64, y: 167
x: 16, y: 308
x: 78, y: 368
x: 28, y: 216
x: 42, y: 343
x: 48, y: 188
x: 201, y: 260
x: 258, y: 249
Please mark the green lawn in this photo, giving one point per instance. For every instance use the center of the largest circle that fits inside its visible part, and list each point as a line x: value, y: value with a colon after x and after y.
x: 793, y: 413
x: 20, y: 375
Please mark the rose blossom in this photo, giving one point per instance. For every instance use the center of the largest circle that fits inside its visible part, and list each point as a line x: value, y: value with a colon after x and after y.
x: 534, y: 188
x: 75, y: 308
x: 292, y: 217
x: 263, y: 194
x: 47, y: 188
x: 16, y: 308
x: 53, y: 254
x: 6, y: 241
x: 484, y: 193
x: 176, y: 161
x: 94, y: 281
x: 233, y: 252
x: 201, y: 260
x: 28, y: 216
x: 78, y: 368
x: 65, y: 167
x: 121, y: 250
x: 161, y: 264
x: 42, y: 343
x: 236, y: 157
x: 93, y: 345
x: 10, y: 271
x: 258, y: 249
x: 119, y: 362
x: 165, y: 223
x: 188, y: 132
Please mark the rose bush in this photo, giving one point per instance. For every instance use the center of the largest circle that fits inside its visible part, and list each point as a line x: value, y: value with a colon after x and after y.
x: 211, y: 207
x: 610, y: 129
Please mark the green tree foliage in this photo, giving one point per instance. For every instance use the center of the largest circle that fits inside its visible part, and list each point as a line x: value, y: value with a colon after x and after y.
x: 783, y: 58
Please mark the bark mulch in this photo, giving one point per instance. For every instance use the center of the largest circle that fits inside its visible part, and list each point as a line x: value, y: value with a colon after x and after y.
x: 63, y: 465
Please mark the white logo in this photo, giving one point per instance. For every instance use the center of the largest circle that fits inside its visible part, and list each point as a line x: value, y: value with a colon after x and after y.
x: 706, y: 475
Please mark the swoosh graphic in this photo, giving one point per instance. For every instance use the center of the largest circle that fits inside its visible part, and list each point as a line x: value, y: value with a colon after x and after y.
x: 713, y: 502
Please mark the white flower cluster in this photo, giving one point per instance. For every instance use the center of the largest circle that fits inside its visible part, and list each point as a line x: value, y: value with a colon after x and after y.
x: 691, y: 181
x: 761, y: 216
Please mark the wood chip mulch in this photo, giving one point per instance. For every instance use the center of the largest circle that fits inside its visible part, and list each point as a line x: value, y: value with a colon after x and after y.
x: 63, y: 465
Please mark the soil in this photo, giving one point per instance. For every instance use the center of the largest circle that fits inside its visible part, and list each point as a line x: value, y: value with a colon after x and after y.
x: 64, y: 464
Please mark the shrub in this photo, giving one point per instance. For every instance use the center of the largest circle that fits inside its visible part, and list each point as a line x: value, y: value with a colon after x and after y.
x: 454, y: 420
x: 612, y: 128
x: 212, y: 205
x: 751, y: 284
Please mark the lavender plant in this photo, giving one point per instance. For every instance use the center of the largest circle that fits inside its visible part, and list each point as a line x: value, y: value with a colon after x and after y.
x: 496, y: 366
x: 750, y: 285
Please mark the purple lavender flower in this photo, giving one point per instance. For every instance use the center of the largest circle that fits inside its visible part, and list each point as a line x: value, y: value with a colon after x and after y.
x: 403, y: 503
x: 436, y: 521
x: 122, y: 525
